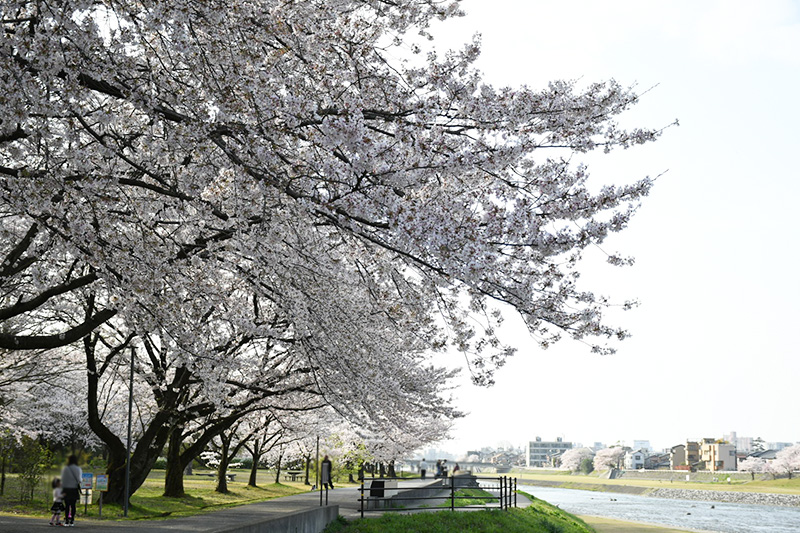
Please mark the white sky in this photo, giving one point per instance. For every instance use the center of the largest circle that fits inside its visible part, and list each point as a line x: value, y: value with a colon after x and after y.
x: 716, y: 243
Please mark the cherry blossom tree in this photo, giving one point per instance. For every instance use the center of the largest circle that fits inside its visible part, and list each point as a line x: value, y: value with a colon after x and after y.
x: 754, y: 465
x: 608, y: 458
x: 571, y: 459
x: 256, y: 191
x: 279, y: 140
x: 786, y: 461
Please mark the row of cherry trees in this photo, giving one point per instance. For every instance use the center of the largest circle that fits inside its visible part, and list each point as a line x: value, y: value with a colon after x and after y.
x: 264, y: 211
x: 785, y: 463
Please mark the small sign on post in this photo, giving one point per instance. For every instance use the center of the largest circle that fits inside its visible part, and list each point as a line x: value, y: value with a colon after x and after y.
x: 87, y: 479
x: 101, y: 485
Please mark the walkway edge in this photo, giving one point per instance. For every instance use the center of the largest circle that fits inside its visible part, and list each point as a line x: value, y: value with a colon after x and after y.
x: 308, y: 521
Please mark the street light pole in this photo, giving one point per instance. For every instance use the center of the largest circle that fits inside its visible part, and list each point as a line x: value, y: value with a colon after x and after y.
x: 128, y: 455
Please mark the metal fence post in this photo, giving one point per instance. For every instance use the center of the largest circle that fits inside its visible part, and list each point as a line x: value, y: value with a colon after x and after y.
x: 452, y: 493
x: 502, y: 493
x: 362, y: 497
x: 515, y: 492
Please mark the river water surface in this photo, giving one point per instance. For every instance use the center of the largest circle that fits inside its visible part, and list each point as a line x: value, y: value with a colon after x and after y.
x: 723, y: 518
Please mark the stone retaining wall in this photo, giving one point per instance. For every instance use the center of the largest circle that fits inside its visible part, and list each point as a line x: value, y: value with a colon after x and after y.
x: 757, y: 498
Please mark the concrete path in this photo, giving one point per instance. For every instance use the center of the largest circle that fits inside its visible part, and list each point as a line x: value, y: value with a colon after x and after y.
x: 222, y: 521
x: 235, y: 519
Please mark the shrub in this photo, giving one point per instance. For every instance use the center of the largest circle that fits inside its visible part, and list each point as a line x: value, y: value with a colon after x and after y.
x: 31, y: 460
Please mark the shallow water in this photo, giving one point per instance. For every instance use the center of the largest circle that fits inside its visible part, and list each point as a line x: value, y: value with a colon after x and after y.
x: 723, y: 518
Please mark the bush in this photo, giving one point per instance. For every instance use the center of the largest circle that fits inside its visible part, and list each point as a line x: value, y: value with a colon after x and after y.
x: 160, y: 464
x: 587, y: 465
x: 31, y: 460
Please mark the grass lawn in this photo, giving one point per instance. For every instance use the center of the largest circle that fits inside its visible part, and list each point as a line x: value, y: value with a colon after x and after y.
x: 469, y: 496
x: 148, y: 501
x: 540, y: 517
x: 592, y: 482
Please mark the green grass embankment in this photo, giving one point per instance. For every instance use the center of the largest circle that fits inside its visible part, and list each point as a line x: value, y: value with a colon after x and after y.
x: 640, y: 486
x: 469, y: 496
x: 539, y: 517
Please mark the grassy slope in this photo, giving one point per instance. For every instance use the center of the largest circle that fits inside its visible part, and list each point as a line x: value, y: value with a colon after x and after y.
x: 591, y: 482
x: 540, y: 517
x: 469, y: 496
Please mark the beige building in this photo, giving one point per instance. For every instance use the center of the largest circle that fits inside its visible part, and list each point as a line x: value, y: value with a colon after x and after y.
x: 677, y: 456
x: 685, y: 455
x: 718, y: 455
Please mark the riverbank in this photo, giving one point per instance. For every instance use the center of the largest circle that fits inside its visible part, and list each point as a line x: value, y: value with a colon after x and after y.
x: 708, y: 495
x: 781, y: 492
x: 608, y: 525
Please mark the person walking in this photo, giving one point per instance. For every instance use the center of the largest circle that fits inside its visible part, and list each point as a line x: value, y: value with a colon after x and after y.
x: 71, y: 484
x: 423, y: 468
x: 58, y: 503
x: 325, y: 473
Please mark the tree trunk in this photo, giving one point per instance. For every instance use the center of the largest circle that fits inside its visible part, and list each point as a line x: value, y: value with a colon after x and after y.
x: 254, y: 470
x: 222, y: 469
x: 278, y: 469
x: 253, y: 480
x: 149, y: 444
x: 308, y: 464
x: 173, y: 481
x: 3, y: 477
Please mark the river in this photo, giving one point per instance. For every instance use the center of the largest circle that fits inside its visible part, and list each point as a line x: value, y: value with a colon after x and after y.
x: 697, y: 515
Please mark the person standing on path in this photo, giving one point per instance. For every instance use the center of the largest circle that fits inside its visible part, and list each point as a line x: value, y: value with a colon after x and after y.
x: 325, y: 473
x: 58, y: 503
x: 423, y: 468
x: 71, y: 484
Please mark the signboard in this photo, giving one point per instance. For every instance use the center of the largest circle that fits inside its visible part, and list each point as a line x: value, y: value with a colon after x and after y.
x: 86, y: 480
x: 102, y: 482
x: 86, y: 497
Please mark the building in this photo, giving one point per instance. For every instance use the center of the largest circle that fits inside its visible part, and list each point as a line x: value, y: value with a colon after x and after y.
x: 767, y: 455
x: 684, y: 456
x: 539, y: 452
x: 657, y: 461
x: 643, y: 445
x: 778, y: 446
x: 718, y: 455
x: 634, y: 459
x: 677, y: 457
x: 743, y: 444
x: 692, y: 453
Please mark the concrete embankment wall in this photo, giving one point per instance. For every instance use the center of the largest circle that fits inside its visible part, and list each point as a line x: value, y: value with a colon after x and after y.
x: 622, y: 489
x: 310, y: 521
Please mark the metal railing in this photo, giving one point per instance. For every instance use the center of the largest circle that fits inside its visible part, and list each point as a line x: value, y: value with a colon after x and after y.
x: 502, y: 492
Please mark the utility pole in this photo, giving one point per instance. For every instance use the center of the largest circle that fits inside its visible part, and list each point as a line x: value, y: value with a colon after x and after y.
x: 128, y: 456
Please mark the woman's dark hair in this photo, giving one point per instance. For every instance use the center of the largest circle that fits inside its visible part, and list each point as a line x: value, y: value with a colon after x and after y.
x: 72, y: 460
x: 56, y: 481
